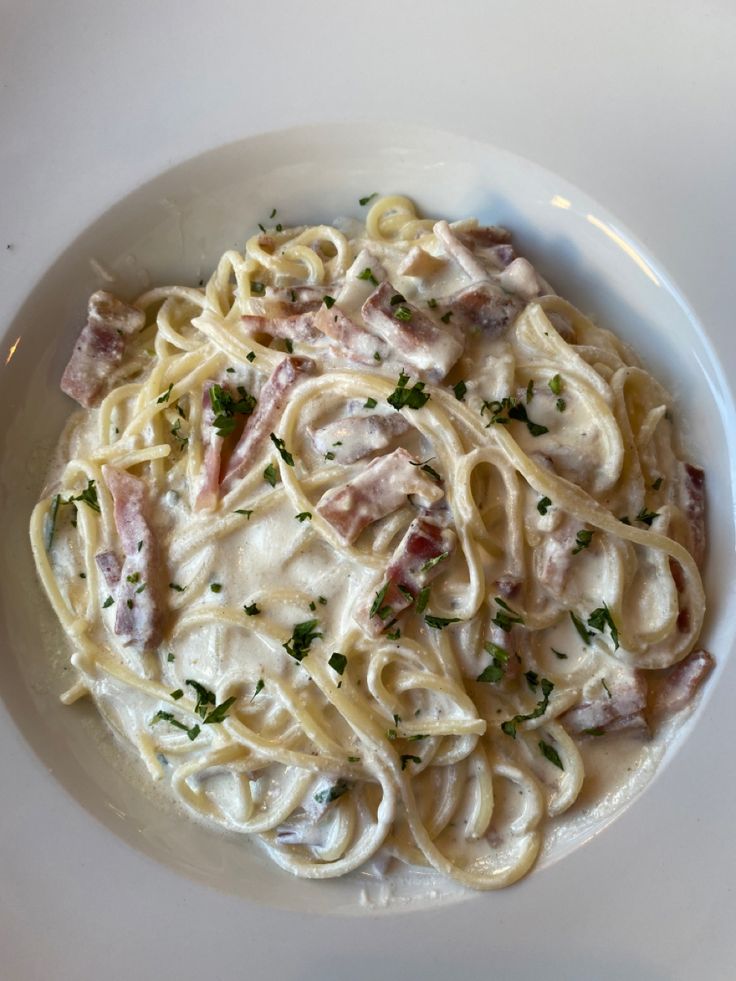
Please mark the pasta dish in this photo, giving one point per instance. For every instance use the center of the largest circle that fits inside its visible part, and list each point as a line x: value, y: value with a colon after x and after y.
x: 360, y: 544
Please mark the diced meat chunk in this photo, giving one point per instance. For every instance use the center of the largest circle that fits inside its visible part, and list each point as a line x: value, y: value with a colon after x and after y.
x: 421, y: 344
x: 100, y: 347
x: 353, y: 340
x: 680, y: 683
x: 355, y: 437
x: 111, y: 568
x: 463, y: 256
x: 617, y: 704
x: 259, y: 426
x: 484, y: 236
x: 691, y: 499
x: 484, y: 305
x: 138, y: 600
x: 419, y: 557
x: 521, y: 278
x: 553, y: 559
x: 381, y: 489
x: 212, y: 444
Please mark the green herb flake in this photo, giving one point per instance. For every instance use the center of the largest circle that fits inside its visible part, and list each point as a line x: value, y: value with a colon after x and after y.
x: 529, y: 391
x: 391, y: 735
x: 550, y: 753
x: 175, y: 586
x: 510, y: 727
x: 367, y: 274
x: 439, y: 623
x: 250, y: 356
x: 252, y: 610
x: 258, y: 288
x: 505, y: 618
x: 216, y: 587
x: 88, y: 497
x: 303, y: 516
x: 412, y: 398
x: 176, y: 695
x: 338, y: 662
x: 258, y: 689
x: 170, y: 657
x: 501, y: 412
x: 205, y: 697
x: 378, y: 609
x: 53, y: 513
x: 432, y: 303
x: 226, y: 407
x: 409, y: 758
x: 108, y: 602
x: 270, y: 475
x: 353, y: 759
x: 329, y: 301
x: 403, y: 313
x: 332, y: 793
x: 543, y: 504
x: 582, y: 540
x: 600, y: 619
x: 244, y: 511
x: 646, y: 517
x: 281, y: 447
x: 560, y: 405
x: 445, y: 318
x: 460, y: 389
x: 431, y: 563
x: 191, y: 731
x: 369, y: 197
x: 394, y: 635
x: 555, y: 385
x: 559, y: 654
x: 165, y: 396
x: 219, y: 713
x: 422, y: 599
x: 289, y: 346
x: 657, y: 483
x: 370, y: 404
x: 580, y: 627
x: 298, y: 645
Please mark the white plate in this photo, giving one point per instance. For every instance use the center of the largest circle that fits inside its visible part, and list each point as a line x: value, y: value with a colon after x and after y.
x: 172, y: 230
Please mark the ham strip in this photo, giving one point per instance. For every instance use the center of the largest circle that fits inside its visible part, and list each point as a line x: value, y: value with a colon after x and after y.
x: 100, y: 347
x: 298, y: 327
x: 379, y: 490
x: 484, y: 305
x: 355, y: 341
x: 691, y: 499
x: 407, y: 572
x: 111, y: 568
x: 421, y: 344
x: 258, y: 427
x: 484, y: 236
x: 355, y: 437
x: 681, y: 682
x: 212, y: 443
x: 600, y: 712
x: 138, y: 604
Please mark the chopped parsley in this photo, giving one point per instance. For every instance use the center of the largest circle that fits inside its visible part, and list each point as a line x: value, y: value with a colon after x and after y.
x: 657, y: 483
x: 501, y: 412
x: 431, y: 563
x: 439, y: 623
x: 338, y: 662
x: 529, y: 391
x: 297, y: 646
x: 89, y: 496
x: 560, y: 405
x: 550, y: 753
x: 303, y: 516
x: 332, y: 793
x: 432, y: 303
x: 376, y: 356
x: 495, y: 671
x: 394, y: 634
x: 219, y: 712
x: 108, y: 602
x: 646, y: 517
x: 244, y: 511
x: 606, y: 688
x: 403, y: 313
x: 600, y: 619
x: 176, y: 433
x: 409, y: 758
x: 281, y: 447
x: 510, y: 727
x: 216, y: 587
x: 445, y: 318
x: 543, y: 504
x: 329, y: 455
x: 329, y: 301
x: 255, y: 287
x: 367, y: 274
x: 505, y: 618
x: 532, y: 679
x: 176, y: 695
x: 53, y: 513
x: 258, y: 689
x: 559, y: 654
x: 205, y: 697
x: 370, y: 404
x: 270, y: 475
x: 165, y: 396
x: 161, y: 716
x: 412, y: 398
x: 170, y: 657
x: 353, y: 759
x: 369, y: 197
x: 460, y: 389
x: 555, y: 385
x: 422, y: 600
x: 250, y: 356
x: 377, y: 607
x: 252, y: 610
x: 226, y: 407
x: 582, y: 540
x: 580, y: 627
x: 289, y: 346
x: 175, y: 586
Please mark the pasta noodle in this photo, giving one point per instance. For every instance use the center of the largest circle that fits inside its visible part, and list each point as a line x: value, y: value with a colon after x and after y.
x: 286, y: 662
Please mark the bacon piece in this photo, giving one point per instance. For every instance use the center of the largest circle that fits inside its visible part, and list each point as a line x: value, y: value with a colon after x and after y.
x: 110, y: 566
x: 382, y: 488
x: 271, y: 403
x: 210, y: 483
x: 430, y: 350
x: 521, y: 278
x: 486, y: 306
x: 691, y: 499
x: 407, y: 572
x: 298, y: 327
x: 138, y: 603
x: 600, y: 711
x: 680, y: 683
x: 484, y: 236
x: 462, y: 255
x: 354, y: 437
x: 554, y: 557
x: 358, y: 343
x: 99, y: 347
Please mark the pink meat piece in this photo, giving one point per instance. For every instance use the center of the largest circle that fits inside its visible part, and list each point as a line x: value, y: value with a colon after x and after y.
x: 484, y: 305
x: 354, y: 437
x: 111, y: 568
x: 259, y: 426
x: 407, y: 574
x: 100, y: 347
x: 521, y: 279
x: 297, y: 327
x: 484, y: 236
x: 210, y: 483
x: 455, y: 249
x: 138, y: 601
x: 553, y: 559
x: 353, y: 340
x: 601, y: 712
x: 681, y: 682
x: 691, y: 499
x: 427, y: 348
x: 379, y: 490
